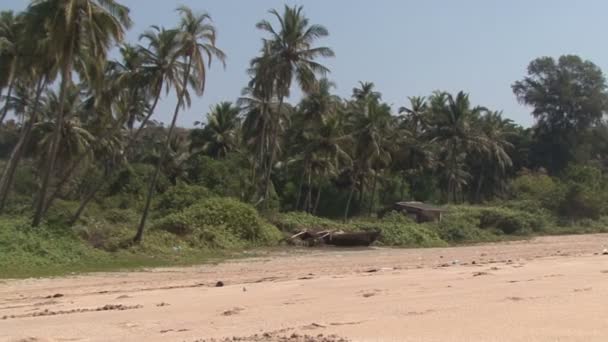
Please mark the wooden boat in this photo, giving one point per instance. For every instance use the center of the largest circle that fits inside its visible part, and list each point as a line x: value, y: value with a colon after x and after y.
x: 352, y: 239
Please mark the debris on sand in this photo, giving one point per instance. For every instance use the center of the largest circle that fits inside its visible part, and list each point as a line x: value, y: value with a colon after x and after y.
x: 605, y: 252
x: 56, y: 295
x: 233, y: 311
x: 219, y: 284
x: 273, y: 337
x: 478, y: 274
x: 47, y: 312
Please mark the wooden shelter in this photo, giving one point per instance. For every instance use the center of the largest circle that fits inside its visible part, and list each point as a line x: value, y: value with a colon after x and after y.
x: 419, y: 211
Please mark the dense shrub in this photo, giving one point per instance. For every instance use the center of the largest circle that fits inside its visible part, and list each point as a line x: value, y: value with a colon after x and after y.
x: 398, y: 230
x: 61, y: 211
x: 298, y: 221
x: 461, y: 225
x: 135, y: 179
x: 581, y: 202
x: 120, y: 216
x: 510, y: 221
x: 23, y: 247
x: 539, y: 188
x: 228, y: 177
x: 221, y: 223
x: 181, y: 196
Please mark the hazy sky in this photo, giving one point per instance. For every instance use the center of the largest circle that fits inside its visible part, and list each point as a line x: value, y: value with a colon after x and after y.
x: 405, y: 47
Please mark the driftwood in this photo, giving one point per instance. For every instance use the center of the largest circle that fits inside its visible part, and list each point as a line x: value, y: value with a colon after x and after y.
x: 337, y: 238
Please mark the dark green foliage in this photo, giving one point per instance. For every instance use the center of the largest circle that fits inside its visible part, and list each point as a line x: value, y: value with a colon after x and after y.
x: 294, y: 222
x: 134, y: 179
x: 180, y: 197
x: 511, y: 222
x: 400, y: 231
x: 221, y: 223
x: 225, y: 177
x: 569, y: 96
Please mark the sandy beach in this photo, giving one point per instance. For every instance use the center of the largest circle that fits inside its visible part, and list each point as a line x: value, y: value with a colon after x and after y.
x: 545, y: 289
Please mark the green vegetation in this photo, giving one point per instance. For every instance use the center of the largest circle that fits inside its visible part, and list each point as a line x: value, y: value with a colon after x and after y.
x: 90, y: 181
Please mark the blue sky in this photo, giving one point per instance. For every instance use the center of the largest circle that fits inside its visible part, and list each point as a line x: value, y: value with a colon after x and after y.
x: 405, y: 47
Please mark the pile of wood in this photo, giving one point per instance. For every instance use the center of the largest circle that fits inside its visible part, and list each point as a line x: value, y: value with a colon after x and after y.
x: 336, y: 238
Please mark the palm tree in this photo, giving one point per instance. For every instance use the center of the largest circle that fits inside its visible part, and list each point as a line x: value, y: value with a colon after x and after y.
x: 11, y: 51
x: 366, y: 93
x: 220, y: 134
x: 453, y: 128
x: 160, y: 68
x: 79, y: 35
x: 492, y: 162
x: 197, y: 36
x: 160, y: 63
x: 37, y: 70
x: 291, y: 54
x: 370, y: 125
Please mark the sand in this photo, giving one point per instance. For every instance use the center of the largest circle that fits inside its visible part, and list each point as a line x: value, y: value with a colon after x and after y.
x: 545, y: 289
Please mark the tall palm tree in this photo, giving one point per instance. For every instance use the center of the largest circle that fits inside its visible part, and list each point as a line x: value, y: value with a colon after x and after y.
x: 11, y: 52
x: 490, y: 164
x: 292, y: 54
x: 221, y: 132
x: 197, y: 36
x: 453, y: 128
x: 160, y: 69
x: 79, y: 35
x: 37, y: 70
x: 370, y: 123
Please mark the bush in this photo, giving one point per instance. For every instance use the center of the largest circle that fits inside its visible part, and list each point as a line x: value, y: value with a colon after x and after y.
x: 461, y: 225
x: 581, y: 203
x: 101, y: 235
x: 537, y: 187
x: 180, y: 197
x: 120, y: 216
x: 221, y: 223
x: 135, y: 179
x: 294, y: 222
x: 510, y: 221
x: 398, y: 230
x: 23, y: 247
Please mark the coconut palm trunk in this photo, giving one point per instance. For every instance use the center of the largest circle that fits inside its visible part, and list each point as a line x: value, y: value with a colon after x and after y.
x: 80, y: 158
x: 66, y: 79
x: 350, y: 198
x: 274, y: 134
x: 9, y: 92
x: 17, y: 153
x: 371, y: 201
x: 142, y: 224
x: 317, y: 200
x: 300, y: 187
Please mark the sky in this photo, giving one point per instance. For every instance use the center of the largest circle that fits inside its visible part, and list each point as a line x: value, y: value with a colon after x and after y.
x: 406, y: 47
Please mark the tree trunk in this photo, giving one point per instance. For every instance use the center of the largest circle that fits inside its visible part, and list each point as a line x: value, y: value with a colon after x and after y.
x: 140, y: 230
x: 54, y: 148
x: 9, y: 92
x: 308, y: 203
x: 314, y: 210
x: 350, y: 197
x: 479, y: 186
x: 300, y: 189
x: 371, y: 202
x: 81, y: 157
x: 273, y: 143
x: 9, y: 171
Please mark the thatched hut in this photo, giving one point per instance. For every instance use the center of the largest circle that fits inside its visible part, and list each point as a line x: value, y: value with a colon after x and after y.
x: 420, y: 212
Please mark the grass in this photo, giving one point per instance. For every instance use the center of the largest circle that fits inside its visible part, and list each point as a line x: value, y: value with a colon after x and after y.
x: 216, y: 229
